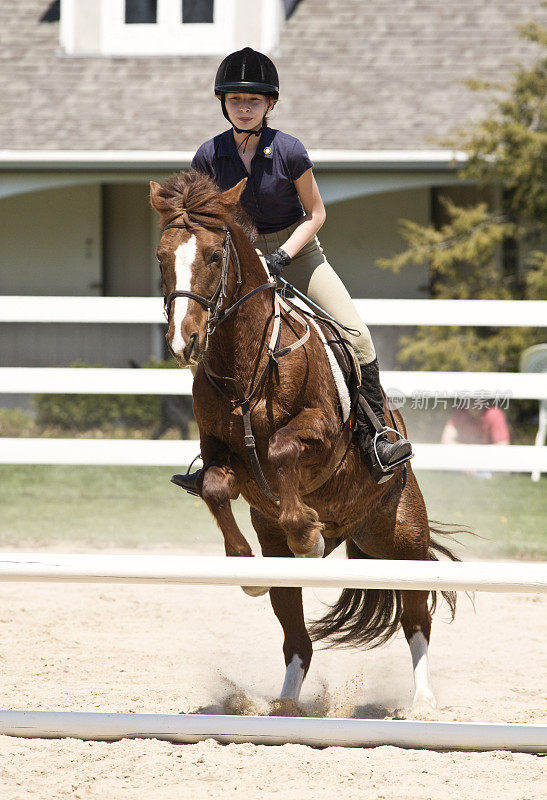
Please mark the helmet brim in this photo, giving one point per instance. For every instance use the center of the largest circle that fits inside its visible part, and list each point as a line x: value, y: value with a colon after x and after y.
x: 247, y: 87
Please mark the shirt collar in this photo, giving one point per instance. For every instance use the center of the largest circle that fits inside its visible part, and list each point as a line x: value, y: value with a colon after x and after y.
x: 227, y: 145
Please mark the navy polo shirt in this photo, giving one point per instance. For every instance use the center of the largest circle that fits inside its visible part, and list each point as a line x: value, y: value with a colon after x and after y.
x: 270, y: 197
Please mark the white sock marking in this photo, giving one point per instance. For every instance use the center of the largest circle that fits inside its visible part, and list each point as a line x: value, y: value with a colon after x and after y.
x: 184, y: 259
x: 420, y: 664
x: 294, y: 677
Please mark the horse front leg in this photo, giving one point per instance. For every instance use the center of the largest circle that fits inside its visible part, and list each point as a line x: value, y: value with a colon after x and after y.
x: 306, y: 432
x: 217, y: 486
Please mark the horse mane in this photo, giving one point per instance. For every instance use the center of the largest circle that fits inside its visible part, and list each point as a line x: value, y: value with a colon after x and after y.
x: 200, y: 198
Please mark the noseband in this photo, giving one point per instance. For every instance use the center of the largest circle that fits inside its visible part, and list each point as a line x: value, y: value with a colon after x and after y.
x: 214, y: 305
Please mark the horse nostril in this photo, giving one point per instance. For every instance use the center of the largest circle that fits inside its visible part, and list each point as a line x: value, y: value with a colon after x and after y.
x: 190, y: 346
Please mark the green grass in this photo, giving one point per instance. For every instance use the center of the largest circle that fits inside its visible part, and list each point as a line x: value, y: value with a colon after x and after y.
x: 102, y: 506
x: 138, y: 507
x: 507, y: 512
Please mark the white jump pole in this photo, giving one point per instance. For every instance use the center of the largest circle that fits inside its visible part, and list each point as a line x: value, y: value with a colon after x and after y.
x: 219, y: 570
x: 317, y: 732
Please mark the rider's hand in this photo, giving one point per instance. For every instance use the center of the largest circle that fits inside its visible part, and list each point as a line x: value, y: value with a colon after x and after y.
x: 277, y: 260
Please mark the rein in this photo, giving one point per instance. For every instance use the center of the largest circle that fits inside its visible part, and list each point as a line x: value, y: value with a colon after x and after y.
x: 216, y: 315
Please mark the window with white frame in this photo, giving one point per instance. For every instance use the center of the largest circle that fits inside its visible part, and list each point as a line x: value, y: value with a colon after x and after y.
x: 166, y: 27
x: 169, y: 27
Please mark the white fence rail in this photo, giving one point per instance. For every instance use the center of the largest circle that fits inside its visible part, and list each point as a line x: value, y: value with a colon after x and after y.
x: 315, y: 732
x: 177, y: 452
x: 145, y: 310
x: 482, y: 576
x: 70, y: 380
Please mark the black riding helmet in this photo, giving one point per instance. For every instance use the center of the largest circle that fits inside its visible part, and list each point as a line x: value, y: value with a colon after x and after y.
x: 248, y: 72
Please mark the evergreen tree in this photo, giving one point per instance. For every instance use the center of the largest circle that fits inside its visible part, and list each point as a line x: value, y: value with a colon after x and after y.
x: 508, y: 150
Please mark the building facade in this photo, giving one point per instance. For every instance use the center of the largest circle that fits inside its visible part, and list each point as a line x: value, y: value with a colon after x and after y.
x: 99, y: 98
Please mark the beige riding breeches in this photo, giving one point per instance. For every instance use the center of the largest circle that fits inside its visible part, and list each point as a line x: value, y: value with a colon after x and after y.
x: 311, y: 273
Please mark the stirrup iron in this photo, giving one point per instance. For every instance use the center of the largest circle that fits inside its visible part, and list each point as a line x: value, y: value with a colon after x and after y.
x: 389, y: 468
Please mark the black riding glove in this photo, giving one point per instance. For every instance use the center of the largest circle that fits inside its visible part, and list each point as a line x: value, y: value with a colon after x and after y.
x: 277, y: 260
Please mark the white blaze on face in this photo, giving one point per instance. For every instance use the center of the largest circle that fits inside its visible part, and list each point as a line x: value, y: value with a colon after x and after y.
x: 185, y: 255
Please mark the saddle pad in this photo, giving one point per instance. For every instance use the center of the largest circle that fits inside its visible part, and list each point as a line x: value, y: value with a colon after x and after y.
x: 337, y: 374
x: 344, y: 353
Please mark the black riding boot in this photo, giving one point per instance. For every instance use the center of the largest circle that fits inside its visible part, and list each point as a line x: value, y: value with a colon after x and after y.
x: 187, y: 482
x: 381, y: 456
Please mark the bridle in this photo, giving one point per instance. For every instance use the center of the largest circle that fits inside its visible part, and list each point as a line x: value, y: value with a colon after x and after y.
x: 216, y: 314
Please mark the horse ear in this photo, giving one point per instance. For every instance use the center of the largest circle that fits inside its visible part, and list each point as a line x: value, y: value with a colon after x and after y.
x: 230, y: 198
x: 156, y: 199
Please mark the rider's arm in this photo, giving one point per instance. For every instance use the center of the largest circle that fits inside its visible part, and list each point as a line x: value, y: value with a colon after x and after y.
x: 315, y: 214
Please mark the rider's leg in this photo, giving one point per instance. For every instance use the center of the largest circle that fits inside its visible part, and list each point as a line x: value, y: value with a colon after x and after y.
x: 373, y: 441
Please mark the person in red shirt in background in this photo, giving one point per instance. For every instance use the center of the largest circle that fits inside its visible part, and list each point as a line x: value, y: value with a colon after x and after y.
x: 486, y: 425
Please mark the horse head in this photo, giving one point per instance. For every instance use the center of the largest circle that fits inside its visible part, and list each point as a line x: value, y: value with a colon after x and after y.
x: 194, y: 256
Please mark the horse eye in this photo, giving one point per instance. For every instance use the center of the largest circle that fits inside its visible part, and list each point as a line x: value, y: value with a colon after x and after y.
x: 215, y: 257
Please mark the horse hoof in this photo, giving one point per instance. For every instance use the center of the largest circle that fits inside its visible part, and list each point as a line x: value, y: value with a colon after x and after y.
x: 256, y: 591
x: 424, y: 698
x: 317, y: 551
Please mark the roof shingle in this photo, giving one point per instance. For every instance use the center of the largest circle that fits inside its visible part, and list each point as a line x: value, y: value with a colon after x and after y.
x: 354, y: 75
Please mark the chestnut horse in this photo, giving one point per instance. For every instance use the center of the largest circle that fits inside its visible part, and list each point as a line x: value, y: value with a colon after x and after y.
x: 221, y: 313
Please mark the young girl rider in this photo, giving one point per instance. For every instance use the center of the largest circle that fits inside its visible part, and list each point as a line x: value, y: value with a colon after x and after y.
x: 283, y: 200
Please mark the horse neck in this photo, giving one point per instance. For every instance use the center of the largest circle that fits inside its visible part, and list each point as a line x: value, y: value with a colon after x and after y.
x: 237, y: 343
x: 253, y: 273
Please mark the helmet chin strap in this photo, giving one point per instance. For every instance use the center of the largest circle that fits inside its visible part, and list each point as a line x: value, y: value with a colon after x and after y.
x: 249, y: 134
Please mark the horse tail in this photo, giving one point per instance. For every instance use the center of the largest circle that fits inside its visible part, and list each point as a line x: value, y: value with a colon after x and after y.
x: 360, y: 617
x: 368, y: 618
x: 443, y: 529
